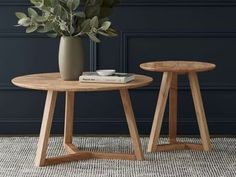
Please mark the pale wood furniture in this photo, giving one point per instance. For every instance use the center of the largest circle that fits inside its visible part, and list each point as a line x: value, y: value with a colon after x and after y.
x: 169, y: 85
x: 52, y: 83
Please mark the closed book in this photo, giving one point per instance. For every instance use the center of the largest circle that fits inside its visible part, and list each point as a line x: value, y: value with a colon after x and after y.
x: 119, y: 78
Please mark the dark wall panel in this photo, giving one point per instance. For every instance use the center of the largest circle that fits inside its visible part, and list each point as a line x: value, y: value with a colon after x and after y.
x: 148, y: 30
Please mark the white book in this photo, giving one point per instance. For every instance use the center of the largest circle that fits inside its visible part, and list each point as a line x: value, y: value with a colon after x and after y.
x: 119, y: 78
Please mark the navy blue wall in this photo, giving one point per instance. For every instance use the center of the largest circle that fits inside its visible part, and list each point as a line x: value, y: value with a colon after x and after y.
x: 148, y: 30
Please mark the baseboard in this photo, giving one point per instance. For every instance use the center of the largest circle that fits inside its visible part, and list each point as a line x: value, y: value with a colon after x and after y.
x: 184, y: 128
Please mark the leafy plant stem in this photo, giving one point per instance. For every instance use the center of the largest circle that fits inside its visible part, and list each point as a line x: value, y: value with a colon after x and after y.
x: 66, y: 18
x: 71, y: 21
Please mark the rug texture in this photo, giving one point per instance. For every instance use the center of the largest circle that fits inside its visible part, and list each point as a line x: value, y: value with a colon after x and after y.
x: 17, y: 159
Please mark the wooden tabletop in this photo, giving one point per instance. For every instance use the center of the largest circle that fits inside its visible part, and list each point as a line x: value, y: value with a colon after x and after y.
x: 53, y: 81
x: 177, y: 66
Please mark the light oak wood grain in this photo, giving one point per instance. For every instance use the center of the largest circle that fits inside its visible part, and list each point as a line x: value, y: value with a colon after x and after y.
x: 69, y: 115
x: 101, y: 155
x: 201, y: 117
x: 177, y: 66
x: 66, y: 158
x: 170, y: 85
x: 160, y: 109
x: 173, y: 108
x: 45, y: 128
x: 179, y: 146
x: 76, y: 155
x: 131, y: 124
x: 53, y: 81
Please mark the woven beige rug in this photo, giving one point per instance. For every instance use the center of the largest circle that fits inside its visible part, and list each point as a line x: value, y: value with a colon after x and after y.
x: 17, y: 159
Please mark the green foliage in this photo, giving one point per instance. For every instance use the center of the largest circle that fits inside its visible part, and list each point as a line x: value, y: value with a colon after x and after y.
x: 67, y: 18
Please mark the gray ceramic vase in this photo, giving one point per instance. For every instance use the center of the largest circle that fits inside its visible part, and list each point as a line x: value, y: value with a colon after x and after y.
x: 71, y: 58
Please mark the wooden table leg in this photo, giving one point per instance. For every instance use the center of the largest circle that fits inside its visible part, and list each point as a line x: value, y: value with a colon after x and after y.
x: 45, y: 128
x: 160, y: 109
x: 173, y: 109
x: 201, y: 117
x: 74, y: 153
x: 69, y: 116
x: 131, y: 124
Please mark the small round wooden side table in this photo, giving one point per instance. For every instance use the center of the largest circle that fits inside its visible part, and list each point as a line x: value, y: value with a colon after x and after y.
x: 52, y: 83
x: 169, y: 84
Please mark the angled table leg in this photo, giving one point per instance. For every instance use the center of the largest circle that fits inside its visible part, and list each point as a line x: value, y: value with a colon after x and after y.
x: 160, y: 109
x: 173, y: 109
x: 170, y: 86
x: 201, y: 117
x: 45, y: 128
x: 69, y: 116
x: 74, y: 154
x: 131, y: 124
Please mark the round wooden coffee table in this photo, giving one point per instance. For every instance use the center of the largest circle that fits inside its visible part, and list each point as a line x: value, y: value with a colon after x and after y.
x: 169, y: 86
x: 52, y: 83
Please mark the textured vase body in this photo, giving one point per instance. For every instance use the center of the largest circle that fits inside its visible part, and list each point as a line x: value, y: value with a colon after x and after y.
x: 71, y: 58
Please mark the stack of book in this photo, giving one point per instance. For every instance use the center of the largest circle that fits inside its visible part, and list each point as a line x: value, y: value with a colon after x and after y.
x: 119, y: 78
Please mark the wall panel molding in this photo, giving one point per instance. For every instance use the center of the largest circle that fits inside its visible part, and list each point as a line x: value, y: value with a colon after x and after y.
x: 7, y: 86
x: 20, y: 116
x: 82, y: 127
x: 21, y: 34
x: 126, y: 35
x: 188, y: 3
x: 93, y: 55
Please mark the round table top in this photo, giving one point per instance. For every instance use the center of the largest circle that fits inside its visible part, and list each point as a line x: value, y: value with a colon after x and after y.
x: 53, y: 81
x: 177, y: 66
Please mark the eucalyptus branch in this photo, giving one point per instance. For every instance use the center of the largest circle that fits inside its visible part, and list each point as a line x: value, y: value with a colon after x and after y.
x: 71, y: 22
x: 62, y: 18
